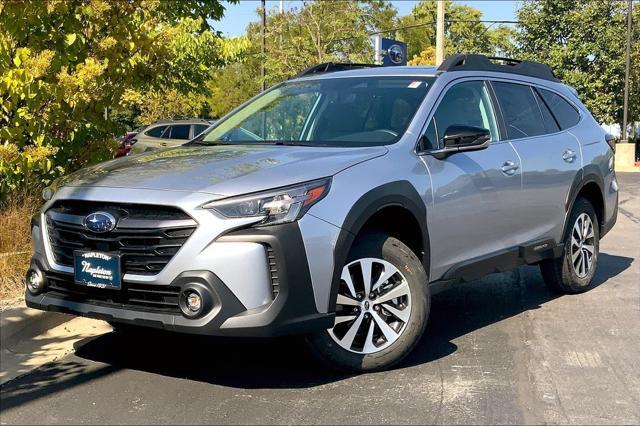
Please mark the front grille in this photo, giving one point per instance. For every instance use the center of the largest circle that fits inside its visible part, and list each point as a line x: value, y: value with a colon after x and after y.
x: 146, y: 237
x: 151, y: 298
x: 273, y: 271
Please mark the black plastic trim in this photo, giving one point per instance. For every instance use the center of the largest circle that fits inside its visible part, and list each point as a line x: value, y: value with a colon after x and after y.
x: 294, y: 308
x: 590, y: 174
x: 501, y: 261
x: 474, y: 62
x: 400, y: 193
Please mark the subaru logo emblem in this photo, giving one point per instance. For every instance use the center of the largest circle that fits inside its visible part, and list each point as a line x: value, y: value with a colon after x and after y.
x: 396, y: 54
x: 100, y: 222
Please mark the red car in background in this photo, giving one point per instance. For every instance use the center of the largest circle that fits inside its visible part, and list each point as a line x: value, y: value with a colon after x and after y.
x: 125, y: 142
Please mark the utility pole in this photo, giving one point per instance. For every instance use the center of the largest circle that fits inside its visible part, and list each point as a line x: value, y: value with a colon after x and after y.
x: 263, y: 30
x: 440, y: 33
x: 626, y: 75
x: 281, y: 7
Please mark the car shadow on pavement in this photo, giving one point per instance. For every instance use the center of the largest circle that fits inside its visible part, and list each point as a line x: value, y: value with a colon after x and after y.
x: 285, y: 363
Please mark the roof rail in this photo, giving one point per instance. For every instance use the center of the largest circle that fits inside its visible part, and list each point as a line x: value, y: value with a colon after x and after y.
x: 472, y: 62
x: 332, y: 67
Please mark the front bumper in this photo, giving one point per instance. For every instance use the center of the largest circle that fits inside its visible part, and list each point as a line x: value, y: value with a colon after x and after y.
x: 292, y: 309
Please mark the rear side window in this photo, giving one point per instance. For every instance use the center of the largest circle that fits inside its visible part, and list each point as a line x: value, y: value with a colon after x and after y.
x: 564, y: 112
x: 522, y: 115
x: 156, y: 132
x: 180, y: 131
x: 550, y: 122
x: 199, y: 128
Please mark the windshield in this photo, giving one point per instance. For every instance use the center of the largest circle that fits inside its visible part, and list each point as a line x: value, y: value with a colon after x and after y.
x: 352, y: 111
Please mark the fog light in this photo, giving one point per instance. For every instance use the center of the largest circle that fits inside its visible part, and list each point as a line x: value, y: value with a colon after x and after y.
x: 35, y: 281
x: 194, y: 301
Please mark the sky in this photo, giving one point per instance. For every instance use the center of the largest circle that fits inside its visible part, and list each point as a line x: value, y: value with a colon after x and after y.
x: 237, y: 16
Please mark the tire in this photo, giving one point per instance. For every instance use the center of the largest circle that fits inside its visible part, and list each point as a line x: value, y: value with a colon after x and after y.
x: 566, y: 274
x: 395, y: 271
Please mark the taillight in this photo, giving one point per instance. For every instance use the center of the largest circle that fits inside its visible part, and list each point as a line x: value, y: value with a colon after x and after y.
x: 611, y: 140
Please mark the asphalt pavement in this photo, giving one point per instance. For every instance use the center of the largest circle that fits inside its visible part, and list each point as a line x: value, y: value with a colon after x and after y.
x: 498, y: 350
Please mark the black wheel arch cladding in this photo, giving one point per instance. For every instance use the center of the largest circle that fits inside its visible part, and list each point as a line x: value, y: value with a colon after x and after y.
x: 400, y: 193
x: 588, y: 175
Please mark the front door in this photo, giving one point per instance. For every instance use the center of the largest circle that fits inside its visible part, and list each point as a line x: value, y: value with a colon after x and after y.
x: 474, y: 192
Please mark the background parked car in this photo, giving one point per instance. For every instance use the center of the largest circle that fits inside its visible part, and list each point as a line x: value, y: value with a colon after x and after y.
x: 167, y: 134
x: 125, y: 141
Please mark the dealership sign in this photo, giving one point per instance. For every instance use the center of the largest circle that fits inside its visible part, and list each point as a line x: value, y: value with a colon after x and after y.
x: 393, y: 52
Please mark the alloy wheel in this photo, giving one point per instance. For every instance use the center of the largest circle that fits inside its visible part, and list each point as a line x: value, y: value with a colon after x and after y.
x: 373, y: 306
x: 583, y: 251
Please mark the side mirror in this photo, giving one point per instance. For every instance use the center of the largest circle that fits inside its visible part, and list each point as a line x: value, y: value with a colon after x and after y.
x: 466, y: 137
x: 462, y: 138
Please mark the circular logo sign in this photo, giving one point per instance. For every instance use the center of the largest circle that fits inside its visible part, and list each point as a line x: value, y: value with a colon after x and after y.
x: 100, y: 222
x: 396, y: 54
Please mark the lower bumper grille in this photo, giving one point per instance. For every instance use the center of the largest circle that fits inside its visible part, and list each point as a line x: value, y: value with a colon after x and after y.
x: 150, y: 298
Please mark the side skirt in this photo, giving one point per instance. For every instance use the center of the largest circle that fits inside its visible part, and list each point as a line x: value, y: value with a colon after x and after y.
x: 502, y: 261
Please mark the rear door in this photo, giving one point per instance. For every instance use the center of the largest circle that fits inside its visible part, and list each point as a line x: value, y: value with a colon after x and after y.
x: 473, y: 215
x: 549, y: 154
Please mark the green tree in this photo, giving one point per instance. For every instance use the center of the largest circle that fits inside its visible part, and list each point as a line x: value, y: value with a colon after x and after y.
x: 464, y: 31
x: 318, y: 31
x: 583, y: 42
x: 62, y: 63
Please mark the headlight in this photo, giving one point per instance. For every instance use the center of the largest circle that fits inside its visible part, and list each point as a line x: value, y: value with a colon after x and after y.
x: 277, y: 206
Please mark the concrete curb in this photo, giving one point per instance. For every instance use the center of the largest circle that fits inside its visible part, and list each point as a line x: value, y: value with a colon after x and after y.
x: 32, y: 338
x: 22, y: 323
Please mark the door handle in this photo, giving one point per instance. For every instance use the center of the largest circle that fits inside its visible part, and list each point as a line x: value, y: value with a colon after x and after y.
x: 569, y: 155
x: 509, y: 168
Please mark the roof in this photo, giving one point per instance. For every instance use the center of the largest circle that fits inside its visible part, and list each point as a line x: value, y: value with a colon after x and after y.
x: 453, y: 63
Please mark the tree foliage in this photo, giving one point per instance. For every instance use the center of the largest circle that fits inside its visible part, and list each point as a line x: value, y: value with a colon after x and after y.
x: 584, y: 43
x: 464, y: 31
x: 63, y: 62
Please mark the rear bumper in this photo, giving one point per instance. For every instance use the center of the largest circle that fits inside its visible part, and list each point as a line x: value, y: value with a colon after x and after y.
x: 292, y: 311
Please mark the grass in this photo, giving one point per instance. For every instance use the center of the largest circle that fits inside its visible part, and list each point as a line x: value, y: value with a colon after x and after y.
x: 15, y: 244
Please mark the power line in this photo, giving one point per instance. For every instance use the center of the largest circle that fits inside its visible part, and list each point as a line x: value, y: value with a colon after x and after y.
x: 422, y: 24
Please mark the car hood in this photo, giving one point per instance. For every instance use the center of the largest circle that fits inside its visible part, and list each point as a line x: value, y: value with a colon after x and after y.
x: 222, y: 169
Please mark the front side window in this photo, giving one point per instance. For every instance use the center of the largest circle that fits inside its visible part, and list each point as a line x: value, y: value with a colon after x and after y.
x: 520, y: 109
x: 465, y: 104
x: 352, y: 111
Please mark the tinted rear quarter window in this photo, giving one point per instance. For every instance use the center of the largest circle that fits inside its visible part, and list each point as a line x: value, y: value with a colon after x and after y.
x: 549, y: 121
x: 156, y: 132
x: 564, y: 112
x: 520, y: 109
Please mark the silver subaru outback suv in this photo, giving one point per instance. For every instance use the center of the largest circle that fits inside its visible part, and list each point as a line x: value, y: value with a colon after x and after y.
x: 334, y: 205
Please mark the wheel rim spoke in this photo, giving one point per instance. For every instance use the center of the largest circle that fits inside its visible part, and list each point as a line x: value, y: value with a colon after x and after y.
x: 346, y: 277
x: 384, y: 276
x: 389, y: 333
x: 367, y: 266
x: 348, y: 338
x: 345, y: 300
x: 369, y: 346
x: 589, y: 248
x: 400, y: 314
x: 345, y: 318
x: 402, y: 289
